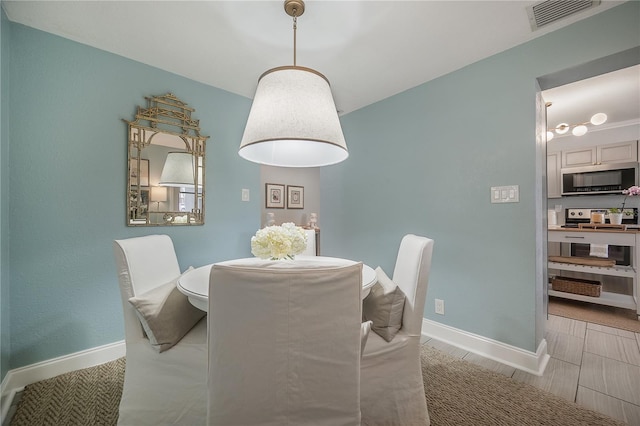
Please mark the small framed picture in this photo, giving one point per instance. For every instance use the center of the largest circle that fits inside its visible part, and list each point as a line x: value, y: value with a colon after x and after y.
x: 274, y: 196
x: 142, y: 174
x: 295, y: 197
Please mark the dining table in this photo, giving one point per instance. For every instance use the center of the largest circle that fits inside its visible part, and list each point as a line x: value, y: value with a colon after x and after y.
x: 195, y: 283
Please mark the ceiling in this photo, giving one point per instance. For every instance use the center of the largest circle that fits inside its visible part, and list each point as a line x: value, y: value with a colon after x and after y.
x: 369, y: 50
x: 616, y: 94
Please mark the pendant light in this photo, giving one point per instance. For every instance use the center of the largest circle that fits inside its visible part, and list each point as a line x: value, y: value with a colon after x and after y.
x: 293, y: 120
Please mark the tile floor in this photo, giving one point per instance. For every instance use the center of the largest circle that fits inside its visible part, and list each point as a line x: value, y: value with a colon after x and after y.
x: 593, y: 365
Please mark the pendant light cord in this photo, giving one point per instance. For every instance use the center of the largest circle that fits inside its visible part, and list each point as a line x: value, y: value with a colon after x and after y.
x: 295, y: 28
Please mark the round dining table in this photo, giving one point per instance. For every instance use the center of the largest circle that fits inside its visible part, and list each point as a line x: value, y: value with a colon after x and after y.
x: 195, y: 283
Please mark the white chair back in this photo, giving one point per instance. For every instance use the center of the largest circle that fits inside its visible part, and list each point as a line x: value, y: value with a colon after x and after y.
x: 284, y: 343
x: 411, y: 274
x: 143, y: 263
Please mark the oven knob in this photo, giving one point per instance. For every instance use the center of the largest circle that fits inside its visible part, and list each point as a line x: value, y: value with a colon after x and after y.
x: 579, y: 213
x: 572, y: 213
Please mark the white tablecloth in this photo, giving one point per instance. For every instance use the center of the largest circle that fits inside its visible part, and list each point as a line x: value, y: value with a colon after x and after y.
x: 195, y: 284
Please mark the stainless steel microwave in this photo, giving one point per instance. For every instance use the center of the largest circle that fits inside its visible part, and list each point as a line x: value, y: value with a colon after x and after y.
x: 601, y: 179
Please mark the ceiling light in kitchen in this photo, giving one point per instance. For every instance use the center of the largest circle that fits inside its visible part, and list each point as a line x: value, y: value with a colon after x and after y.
x: 578, y: 129
x: 562, y: 128
x: 599, y: 118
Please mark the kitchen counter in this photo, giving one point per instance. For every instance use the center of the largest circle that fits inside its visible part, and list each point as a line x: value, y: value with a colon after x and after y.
x: 634, y: 230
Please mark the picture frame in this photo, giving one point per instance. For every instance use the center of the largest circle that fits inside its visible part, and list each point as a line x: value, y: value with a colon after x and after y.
x: 142, y: 174
x: 274, y: 196
x: 295, y: 197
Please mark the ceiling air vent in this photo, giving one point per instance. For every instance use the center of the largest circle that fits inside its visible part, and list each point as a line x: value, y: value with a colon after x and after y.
x: 549, y: 11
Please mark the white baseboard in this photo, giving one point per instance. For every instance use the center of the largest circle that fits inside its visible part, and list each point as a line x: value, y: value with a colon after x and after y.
x: 15, y: 380
x: 533, y: 363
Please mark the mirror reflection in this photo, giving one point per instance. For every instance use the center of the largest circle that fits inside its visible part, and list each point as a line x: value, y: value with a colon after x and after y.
x: 165, y: 184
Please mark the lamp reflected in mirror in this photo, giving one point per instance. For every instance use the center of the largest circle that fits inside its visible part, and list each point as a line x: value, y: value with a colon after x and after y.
x: 158, y: 195
x: 178, y: 171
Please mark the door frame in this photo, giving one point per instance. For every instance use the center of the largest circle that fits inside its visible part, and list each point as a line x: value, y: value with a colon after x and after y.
x: 617, y: 61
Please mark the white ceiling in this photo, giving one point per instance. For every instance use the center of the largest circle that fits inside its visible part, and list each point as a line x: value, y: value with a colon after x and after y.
x: 616, y: 94
x: 369, y: 50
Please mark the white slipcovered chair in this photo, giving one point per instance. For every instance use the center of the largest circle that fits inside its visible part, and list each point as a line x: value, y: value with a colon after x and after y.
x: 168, y: 387
x: 284, y: 343
x: 391, y: 385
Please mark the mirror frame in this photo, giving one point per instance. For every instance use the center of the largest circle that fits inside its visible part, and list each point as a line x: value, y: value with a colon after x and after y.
x: 166, y: 115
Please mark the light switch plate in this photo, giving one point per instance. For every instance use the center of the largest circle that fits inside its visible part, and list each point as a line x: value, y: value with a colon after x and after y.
x: 245, y: 194
x: 505, y: 194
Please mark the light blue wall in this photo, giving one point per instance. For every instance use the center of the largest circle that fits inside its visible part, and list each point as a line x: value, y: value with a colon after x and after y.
x: 4, y: 194
x: 423, y: 162
x: 67, y: 156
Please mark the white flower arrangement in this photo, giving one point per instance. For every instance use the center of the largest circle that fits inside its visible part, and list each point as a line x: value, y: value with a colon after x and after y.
x: 279, y: 242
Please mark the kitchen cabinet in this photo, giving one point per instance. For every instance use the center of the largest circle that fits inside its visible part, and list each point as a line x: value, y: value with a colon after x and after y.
x: 619, y: 238
x: 554, y: 164
x: 601, y: 154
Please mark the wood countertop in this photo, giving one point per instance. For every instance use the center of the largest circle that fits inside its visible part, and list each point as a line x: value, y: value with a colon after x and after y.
x: 596, y: 228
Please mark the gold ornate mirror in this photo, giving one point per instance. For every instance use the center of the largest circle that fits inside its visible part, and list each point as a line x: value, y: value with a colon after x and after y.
x: 166, y: 165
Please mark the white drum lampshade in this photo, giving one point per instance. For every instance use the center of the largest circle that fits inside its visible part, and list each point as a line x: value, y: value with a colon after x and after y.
x: 293, y: 121
x: 178, y: 170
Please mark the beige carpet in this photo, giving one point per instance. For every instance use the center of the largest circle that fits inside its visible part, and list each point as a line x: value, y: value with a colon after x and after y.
x: 80, y: 398
x: 458, y: 393
x: 611, y: 316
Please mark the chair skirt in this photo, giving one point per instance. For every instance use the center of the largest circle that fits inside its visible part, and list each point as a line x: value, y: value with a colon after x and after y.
x: 168, y: 388
x: 391, y: 385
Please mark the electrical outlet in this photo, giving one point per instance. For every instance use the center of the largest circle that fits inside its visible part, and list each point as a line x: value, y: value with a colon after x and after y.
x: 245, y: 195
x: 440, y: 306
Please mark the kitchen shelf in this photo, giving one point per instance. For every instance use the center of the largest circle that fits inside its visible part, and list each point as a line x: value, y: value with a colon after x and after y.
x: 597, y: 236
x: 616, y: 271
x: 606, y: 298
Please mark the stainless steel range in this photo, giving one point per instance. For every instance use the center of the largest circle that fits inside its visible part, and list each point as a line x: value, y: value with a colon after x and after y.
x: 573, y: 217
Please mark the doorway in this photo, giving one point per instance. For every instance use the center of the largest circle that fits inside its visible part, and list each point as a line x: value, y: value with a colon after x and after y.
x: 576, y: 94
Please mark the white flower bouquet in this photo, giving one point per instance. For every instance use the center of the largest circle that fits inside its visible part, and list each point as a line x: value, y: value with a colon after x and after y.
x: 279, y: 242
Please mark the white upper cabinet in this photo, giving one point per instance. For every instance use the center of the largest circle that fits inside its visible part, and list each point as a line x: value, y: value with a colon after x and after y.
x: 579, y: 157
x: 618, y: 153
x: 601, y: 154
